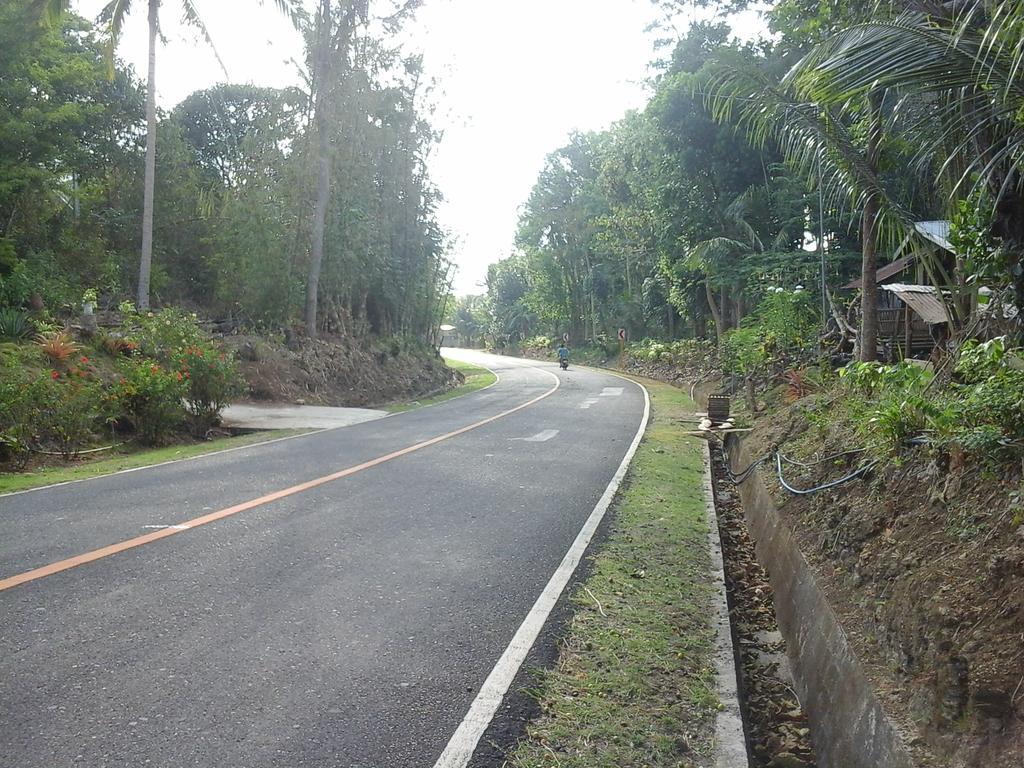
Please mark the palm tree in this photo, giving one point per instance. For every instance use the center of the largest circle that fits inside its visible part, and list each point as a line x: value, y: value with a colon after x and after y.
x: 961, y: 62
x: 114, y: 15
x: 816, y: 138
x: 965, y: 61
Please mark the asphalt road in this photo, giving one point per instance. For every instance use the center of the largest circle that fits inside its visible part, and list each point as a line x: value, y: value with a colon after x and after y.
x: 347, y: 624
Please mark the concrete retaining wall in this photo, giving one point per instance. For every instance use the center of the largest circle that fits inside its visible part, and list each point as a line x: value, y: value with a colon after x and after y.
x: 848, y: 725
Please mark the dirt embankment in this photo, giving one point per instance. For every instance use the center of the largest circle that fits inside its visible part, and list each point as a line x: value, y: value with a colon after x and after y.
x: 924, y: 563
x: 340, y: 371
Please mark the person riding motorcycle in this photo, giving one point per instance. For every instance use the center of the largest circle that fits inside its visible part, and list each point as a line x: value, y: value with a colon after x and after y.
x: 563, y: 357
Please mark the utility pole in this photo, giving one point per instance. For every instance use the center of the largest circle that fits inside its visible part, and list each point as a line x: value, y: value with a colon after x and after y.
x: 821, y: 251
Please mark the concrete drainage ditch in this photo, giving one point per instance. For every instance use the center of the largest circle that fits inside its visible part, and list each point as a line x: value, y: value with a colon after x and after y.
x: 804, y: 696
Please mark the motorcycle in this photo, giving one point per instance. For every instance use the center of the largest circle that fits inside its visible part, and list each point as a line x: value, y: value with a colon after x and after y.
x: 563, y: 364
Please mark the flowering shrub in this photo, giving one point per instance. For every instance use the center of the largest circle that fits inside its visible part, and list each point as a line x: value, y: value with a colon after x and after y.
x: 74, y: 412
x: 17, y: 411
x: 165, y: 334
x: 211, y: 378
x: 150, y: 397
x: 48, y: 411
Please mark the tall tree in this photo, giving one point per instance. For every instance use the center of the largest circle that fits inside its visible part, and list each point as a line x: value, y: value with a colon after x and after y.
x: 334, y: 37
x: 114, y: 15
x: 964, y: 61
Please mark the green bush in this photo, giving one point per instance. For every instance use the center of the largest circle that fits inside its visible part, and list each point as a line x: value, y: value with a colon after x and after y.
x: 990, y: 398
x: 538, y: 343
x: 212, y: 380
x: 743, y: 351
x: 17, y: 410
x: 165, y: 334
x: 866, y: 379
x: 150, y: 397
x: 982, y: 413
x: 73, y: 410
x: 48, y: 411
x: 15, y: 324
x: 788, y: 321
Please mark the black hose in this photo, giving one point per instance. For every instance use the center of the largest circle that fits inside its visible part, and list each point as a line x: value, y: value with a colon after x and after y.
x: 819, y: 461
x: 739, y: 477
x: 805, y: 491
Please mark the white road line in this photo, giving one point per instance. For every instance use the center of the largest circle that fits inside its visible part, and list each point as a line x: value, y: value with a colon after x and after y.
x: 540, y: 437
x: 611, y: 392
x: 175, y: 527
x: 463, y: 743
x: 588, y: 402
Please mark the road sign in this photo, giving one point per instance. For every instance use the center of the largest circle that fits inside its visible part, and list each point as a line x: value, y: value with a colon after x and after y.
x: 622, y: 334
x: 565, y: 337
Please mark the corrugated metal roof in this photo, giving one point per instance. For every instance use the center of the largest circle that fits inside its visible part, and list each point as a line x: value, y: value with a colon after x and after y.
x: 936, y: 231
x: 923, y: 299
x: 884, y: 273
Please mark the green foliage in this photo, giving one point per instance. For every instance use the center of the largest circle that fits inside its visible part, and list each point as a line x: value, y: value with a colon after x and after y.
x: 783, y: 327
x: 970, y: 233
x: 743, y: 352
x: 150, y: 397
x: 539, y: 343
x: 991, y: 391
x: 73, y: 408
x: 979, y: 361
x: 672, y: 352
x: 982, y: 412
x: 15, y: 324
x: 868, y: 379
x: 18, y: 411
x: 165, y: 334
x: 232, y: 186
x: 212, y: 380
x: 47, y: 410
x: 789, y: 321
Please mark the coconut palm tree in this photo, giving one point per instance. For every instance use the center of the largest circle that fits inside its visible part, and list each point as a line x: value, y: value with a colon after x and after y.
x: 961, y: 61
x: 113, y: 16
x: 817, y: 138
x: 965, y: 61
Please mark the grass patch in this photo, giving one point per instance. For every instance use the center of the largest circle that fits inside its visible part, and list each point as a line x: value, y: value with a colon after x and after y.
x: 83, y: 468
x: 476, y: 378
x: 634, y: 683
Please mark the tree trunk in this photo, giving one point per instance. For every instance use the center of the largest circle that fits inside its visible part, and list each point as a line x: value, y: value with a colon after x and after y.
x: 316, y: 255
x: 323, y: 167
x: 716, y: 313
x: 749, y: 394
x: 149, y: 183
x: 868, y: 337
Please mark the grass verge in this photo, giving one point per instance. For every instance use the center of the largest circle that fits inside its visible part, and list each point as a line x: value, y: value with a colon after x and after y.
x: 634, y: 682
x: 476, y: 378
x: 83, y: 468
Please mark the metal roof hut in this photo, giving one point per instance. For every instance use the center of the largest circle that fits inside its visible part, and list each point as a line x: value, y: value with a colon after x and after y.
x: 914, y: 317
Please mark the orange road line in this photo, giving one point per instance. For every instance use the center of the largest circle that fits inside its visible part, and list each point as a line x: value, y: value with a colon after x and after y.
x: 148, y: 538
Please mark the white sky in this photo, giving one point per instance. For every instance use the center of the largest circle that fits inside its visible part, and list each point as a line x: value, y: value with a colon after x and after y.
x: 515, y: 77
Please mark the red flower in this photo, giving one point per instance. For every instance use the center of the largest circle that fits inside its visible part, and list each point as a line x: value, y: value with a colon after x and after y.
x: 85, y: 359
x: 54, y: 374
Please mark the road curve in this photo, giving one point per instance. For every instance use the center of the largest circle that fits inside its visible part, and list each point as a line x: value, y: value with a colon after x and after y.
x: 349, y: 622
